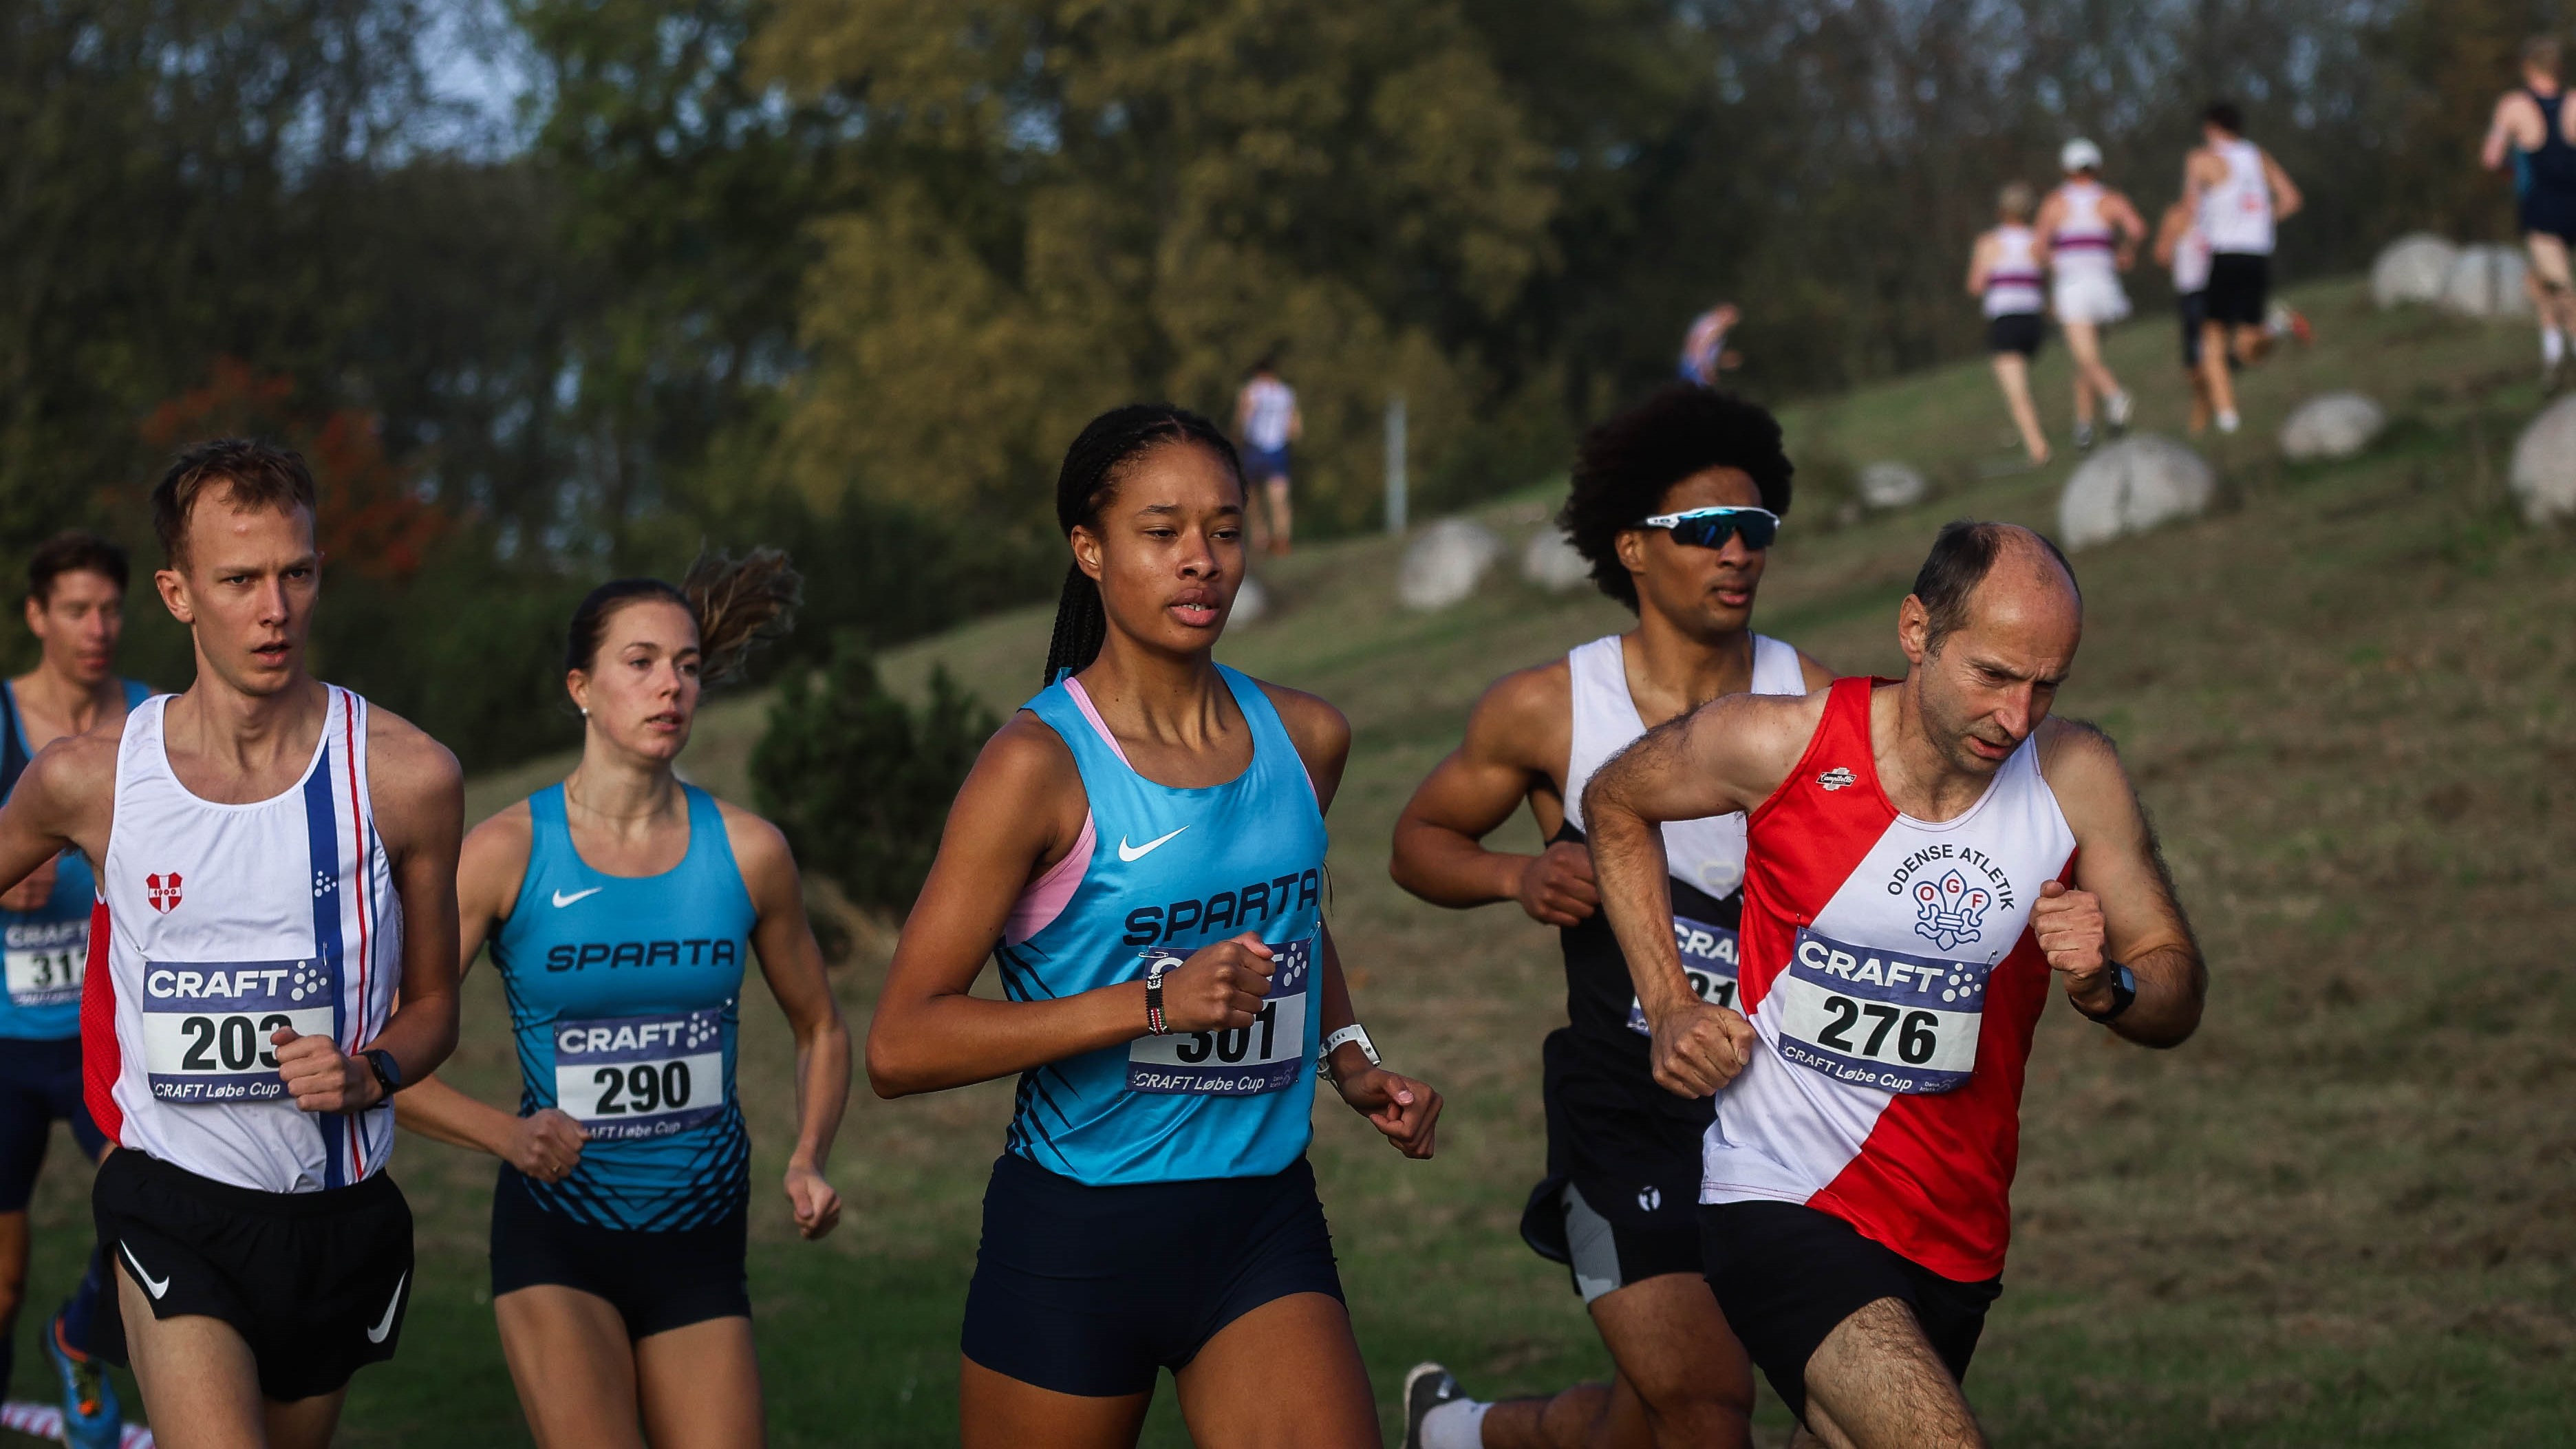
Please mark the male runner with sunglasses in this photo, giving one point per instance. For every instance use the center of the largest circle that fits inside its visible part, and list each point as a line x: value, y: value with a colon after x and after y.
x: 1674, y: 504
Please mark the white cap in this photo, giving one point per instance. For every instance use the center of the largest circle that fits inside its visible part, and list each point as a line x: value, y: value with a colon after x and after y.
x: 2080, y: 155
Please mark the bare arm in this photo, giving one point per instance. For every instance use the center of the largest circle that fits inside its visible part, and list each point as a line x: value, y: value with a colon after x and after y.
x: 2044, y: 226
x: 1515, y: 750
x: 2286, y: 199
x: 2507, y: 130
x: 2122, y: 908
x: 65, y: 797
x: 1981, y: 261
x: 2201, y: 170
x: 2169, y: 234
x: 1726, y: 756
x: 792, y: 963
x: 2133, y: 228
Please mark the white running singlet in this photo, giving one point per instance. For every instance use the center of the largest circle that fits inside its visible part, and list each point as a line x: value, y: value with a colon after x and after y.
x: 2084, y: 268
x: 217, y: 924
x: 1892, y: 980
x: 1707, y: 853
x: 1269, y: 407
x: 2236, y: 214
x: 2191, y: 261
x: 2012, y: 281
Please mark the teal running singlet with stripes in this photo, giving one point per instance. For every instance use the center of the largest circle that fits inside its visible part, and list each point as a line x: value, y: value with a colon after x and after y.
x: 625, y: 993
x: 46, y: 949
x: 1163, y: 871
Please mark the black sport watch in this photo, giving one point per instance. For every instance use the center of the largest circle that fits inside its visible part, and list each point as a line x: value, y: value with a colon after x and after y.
x: 388, y: 1071
x: 2124, y: 991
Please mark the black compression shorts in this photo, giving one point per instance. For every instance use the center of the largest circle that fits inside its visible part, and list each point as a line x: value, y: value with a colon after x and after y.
x: 656, y: 1281
x: 2020, y: 332
x: 40, y: 1082
x: 2240, y: 288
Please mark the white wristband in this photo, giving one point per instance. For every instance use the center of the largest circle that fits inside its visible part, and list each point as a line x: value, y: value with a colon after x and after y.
x: 1351, y: 1033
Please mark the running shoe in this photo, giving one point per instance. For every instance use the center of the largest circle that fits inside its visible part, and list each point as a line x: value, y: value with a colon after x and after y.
x: 1426, y: 1388
x: 2115, y: 411
x: 92, y: 1418
x: 2229, y: 423
x: 2285, y: 321
x: 2084, y: 437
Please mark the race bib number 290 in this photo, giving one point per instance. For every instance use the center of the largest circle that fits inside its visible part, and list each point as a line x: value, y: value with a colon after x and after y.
x: 1708, y: 959
x: 207, y: 1026
x: 1879, y: 1018
x: 627, y: 1077
x: 1266, y: 1056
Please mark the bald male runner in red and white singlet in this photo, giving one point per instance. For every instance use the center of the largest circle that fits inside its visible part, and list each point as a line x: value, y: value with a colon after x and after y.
x: 1923, y: 854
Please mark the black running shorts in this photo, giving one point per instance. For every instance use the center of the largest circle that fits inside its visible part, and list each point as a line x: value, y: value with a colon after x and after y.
x: 2240, y: 287
x: 1619, y: 1205
x: 1090, y: 1290
x: 2193, y: 310
x: 316, y: 1282
x: 2020, y: 332
x: 1787, y: 1275
x: 657, y: 1281
x: 40, y: 1081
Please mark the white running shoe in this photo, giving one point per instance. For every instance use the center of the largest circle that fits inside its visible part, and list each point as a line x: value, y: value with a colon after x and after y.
x: 2083, y: 437
x: 1426, y: 1387
x: 2229, y: 422
x: 2115, y: 411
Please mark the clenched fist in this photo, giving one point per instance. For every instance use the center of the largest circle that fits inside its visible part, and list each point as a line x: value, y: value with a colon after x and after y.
x: 1557, y: 888
x: 1220, y: 987
x: 1699, y: 1048
x: 2068, y: 926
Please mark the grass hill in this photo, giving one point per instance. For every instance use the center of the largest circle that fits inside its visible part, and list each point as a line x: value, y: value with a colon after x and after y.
x: 2336, y: 1216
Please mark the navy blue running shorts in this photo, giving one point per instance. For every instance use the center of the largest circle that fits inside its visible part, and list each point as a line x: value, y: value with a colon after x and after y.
x: 1090, y: 1290
x: 40, y: 1083
x: 657, y: 1281
x: 1787, y: 1275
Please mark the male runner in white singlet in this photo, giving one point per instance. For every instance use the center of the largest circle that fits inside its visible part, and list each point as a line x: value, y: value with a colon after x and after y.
x: 2240, y: 194
x: 2005, y: 275
x: 276, y: 862
x: 1922, y: 854
x: 1675, y: 503
x: 2091, y: 234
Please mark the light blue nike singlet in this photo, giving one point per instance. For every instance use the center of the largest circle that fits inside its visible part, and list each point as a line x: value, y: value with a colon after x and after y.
x: 47, y: 949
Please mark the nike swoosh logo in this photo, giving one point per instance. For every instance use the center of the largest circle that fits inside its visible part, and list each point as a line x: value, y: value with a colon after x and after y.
x: 385, y: 1325
x: 156, y: 1287
x: 1139, y: 852
x: 562, y: 900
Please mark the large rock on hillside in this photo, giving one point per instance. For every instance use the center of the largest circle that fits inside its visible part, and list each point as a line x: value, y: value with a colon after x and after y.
x: 1251, y: 601
x: 2412, y: 268
x: 2334, y: 425
x: 2486, y: 281
x: 1551, y: 562
x: 1892, y: 485
x: 2544, y: 464
x: 2131, y: 486
x: 1443, y: 565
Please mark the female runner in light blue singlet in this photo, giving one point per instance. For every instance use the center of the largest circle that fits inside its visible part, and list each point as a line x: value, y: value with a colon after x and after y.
x: 622, y: 907
x: 1141, y: 853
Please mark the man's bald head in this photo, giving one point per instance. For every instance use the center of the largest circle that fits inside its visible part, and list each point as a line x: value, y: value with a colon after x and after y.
x: 1970, y: 557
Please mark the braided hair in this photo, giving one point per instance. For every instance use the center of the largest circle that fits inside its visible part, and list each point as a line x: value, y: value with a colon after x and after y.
x: 1093, y: 468
x: 737, y: 604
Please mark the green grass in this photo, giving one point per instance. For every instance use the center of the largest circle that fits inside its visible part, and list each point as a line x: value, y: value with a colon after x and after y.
x: 2337, y: 1216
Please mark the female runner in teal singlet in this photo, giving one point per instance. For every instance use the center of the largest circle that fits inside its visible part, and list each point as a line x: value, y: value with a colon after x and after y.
x: 621, y: 906
x: 1140, y: 851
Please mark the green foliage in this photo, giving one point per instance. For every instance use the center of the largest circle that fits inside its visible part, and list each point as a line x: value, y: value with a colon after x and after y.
x: 861, y: 781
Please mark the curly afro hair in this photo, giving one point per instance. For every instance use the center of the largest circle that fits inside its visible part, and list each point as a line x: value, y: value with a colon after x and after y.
x: 1626, y: 465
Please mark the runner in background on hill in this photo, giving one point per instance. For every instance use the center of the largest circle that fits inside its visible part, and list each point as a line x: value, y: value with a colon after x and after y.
x: 2239, y: 193
x: 1140, y: 851
x: 2004, y: 273
x: 2183, y: 249
x: 2092, y: 235
x: 2535, y: 129
x: 75, y: 607
x: 1923, y: 856
x: 622, y: 906
x: 277, y: 871
x: 1704, y: 350
x: 1675, y: 504
x: 1267, y: 419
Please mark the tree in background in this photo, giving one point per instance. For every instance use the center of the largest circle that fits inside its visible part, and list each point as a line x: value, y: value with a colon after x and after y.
x: 1068, y: 206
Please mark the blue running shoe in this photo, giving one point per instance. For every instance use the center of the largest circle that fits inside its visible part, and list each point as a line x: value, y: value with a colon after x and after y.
x: 92, y: 1419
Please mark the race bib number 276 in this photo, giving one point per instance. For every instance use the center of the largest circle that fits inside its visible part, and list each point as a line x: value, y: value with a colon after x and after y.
x: 1879, y: 1018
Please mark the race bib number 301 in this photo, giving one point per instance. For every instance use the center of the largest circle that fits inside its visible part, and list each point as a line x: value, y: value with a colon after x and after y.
x: 1263, y: 1057
x: 207, y: 1026
x: 1708, y: 959
x: 1879, y: 1018
x: 46, y: 960
x: 628, y: 1077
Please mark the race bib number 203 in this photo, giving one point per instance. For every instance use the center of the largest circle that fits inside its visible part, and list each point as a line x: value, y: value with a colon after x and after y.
x: 1879, y: 1018
x: 1266, y: 1056
x: 207, y: 1026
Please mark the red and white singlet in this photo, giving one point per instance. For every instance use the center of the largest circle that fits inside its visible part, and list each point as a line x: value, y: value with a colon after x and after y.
x: 1890, y: 974
x: 217, y: 924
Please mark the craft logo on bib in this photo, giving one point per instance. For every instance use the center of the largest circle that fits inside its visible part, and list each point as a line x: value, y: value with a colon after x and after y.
x: 208, y: 1025
x: 1266, y: 1056
x: 1708, y: 958
x: 625, y: 1077
x: 1879, y: 1018
x: 162, y: 890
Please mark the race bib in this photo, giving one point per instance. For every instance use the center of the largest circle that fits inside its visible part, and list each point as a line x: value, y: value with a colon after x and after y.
x: 1879, y: 1018
x: 1708, y: 959
x: 627, y: 1077
x: 46, y: 961
x: 206, y: 1026
x: 1263, y: 1057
